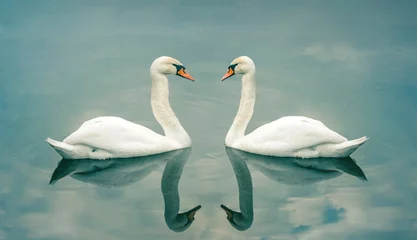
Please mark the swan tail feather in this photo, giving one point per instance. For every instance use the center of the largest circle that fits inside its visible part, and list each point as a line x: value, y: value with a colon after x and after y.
x: 63, y: 149
x: 347, y: 148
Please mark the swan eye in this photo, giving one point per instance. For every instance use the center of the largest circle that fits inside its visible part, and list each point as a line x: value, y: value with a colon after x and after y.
x: 230, y: 72
x: 233, y: 66
x: 178, y: 67
x: 182, y: 73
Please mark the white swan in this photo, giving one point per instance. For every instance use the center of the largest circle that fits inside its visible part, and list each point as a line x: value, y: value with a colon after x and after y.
x: 114, y: 137
x: 291, y: 136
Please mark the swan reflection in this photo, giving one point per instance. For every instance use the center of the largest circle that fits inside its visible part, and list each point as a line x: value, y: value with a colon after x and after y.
x: 241, y: 220
x: 286, y: 170
x: 122, y: 172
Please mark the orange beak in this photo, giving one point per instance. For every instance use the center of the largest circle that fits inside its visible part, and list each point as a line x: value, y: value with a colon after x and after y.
x: 183, y: 74
x: 229, y: 73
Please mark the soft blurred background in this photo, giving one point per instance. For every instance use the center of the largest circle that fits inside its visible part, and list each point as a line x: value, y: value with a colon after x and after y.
x: 350, y: 64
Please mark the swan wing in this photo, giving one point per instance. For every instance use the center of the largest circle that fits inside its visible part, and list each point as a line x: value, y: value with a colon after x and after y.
x: 113, y: 133
x: 294, y: 132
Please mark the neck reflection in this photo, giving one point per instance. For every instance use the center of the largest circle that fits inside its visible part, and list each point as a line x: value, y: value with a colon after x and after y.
x: 285, y: 170
x: 126, y: 171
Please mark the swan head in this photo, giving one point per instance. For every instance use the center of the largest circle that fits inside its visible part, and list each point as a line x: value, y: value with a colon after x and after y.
x: 240, y: 65
x: 236, y: 219
x: 183, y: 220
x: 170, y: 66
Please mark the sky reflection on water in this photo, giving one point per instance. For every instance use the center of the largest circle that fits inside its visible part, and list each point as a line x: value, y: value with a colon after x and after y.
x: 351, y: 65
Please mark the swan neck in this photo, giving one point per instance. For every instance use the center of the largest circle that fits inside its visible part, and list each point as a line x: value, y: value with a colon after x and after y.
x: 245, y: 111
x: 163, y: 112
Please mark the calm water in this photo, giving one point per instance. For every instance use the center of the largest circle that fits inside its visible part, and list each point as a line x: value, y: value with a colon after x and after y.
x: 351, y: 65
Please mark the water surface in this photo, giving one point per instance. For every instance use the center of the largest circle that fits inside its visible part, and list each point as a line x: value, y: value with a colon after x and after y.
x: 351, y: 65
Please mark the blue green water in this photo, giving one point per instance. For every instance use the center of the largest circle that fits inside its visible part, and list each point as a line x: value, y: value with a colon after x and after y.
x: 351, y: 65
